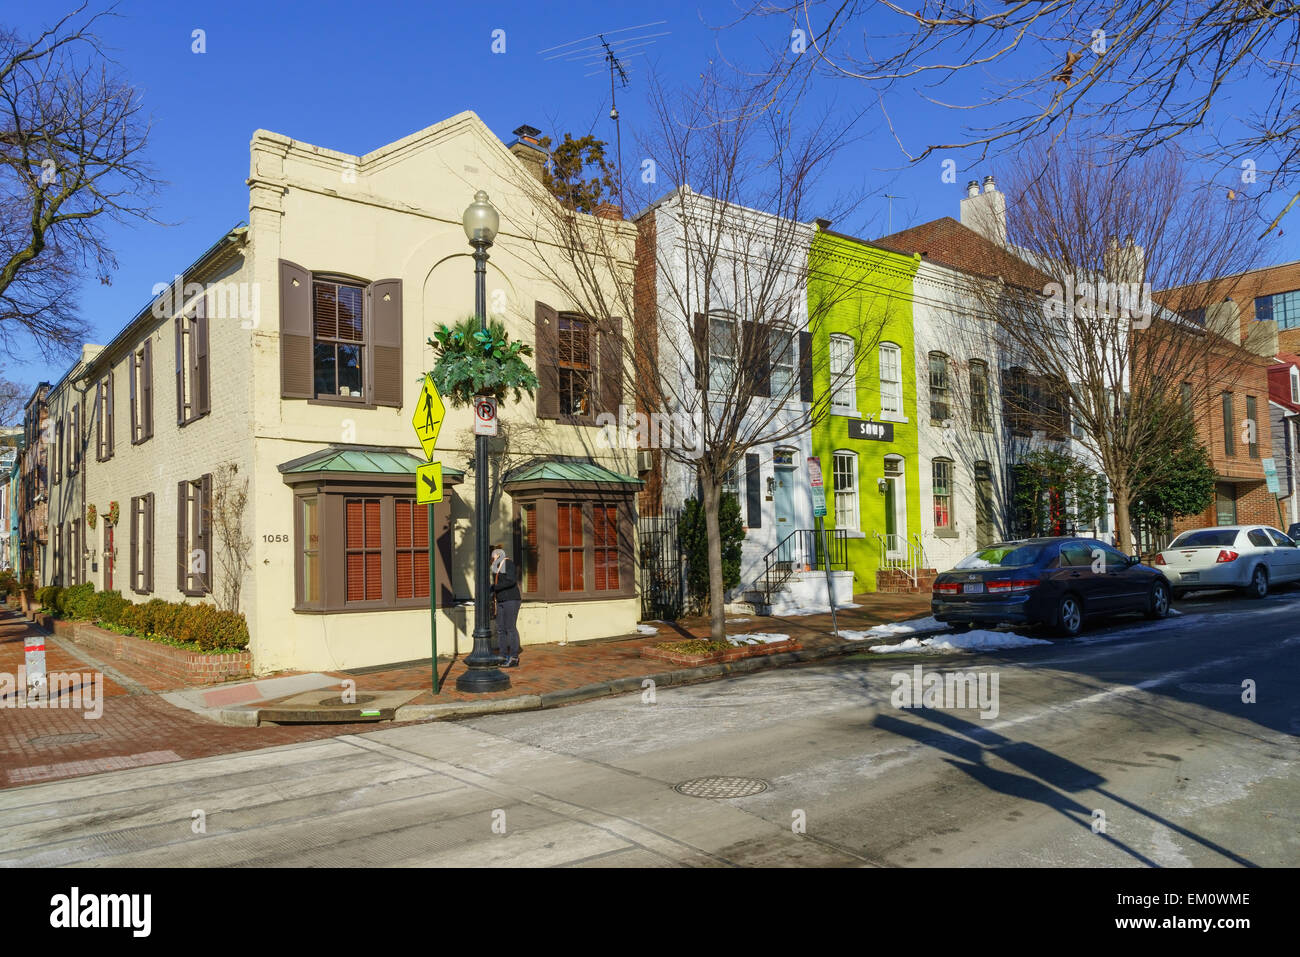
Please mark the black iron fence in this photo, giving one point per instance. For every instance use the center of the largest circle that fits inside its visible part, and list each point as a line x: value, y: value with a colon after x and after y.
x: 662, y: 565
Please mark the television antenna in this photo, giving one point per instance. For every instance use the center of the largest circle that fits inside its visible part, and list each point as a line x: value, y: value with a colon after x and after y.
x: 610, y: 52
x: 891, y: 197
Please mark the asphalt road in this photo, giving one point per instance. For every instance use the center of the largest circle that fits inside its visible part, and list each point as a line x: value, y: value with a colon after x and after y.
x: 1131, y: 746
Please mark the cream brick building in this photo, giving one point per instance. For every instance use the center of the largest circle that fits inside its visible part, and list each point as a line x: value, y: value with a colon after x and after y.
x: 290, y: 355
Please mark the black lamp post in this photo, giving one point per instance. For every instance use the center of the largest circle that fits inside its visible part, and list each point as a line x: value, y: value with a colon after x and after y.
x: 482, y: 667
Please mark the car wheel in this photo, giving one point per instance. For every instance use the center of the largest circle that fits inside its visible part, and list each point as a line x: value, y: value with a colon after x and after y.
x: 960, y: 627
x: 1258, y: 586
x: 1158, y: 607
x: 1069, y: 616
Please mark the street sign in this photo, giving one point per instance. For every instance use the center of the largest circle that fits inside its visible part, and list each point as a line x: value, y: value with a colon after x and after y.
x: 872, y: 431
x: 485, y: 415
x: 818, y: 489
x: 429, y: 412
x: 1270, y: 475
x: 428, y: 484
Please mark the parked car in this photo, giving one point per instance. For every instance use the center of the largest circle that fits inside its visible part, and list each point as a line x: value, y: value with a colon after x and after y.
x: 1056, y: 582
x: 1293, y: 532
x: 1249, y: 557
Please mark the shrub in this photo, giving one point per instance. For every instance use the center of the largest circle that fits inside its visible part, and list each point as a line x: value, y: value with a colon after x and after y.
x: 109, y: 606
x: 48, y: 596
x: 694, y: 537
x: 204, y: 625
x: 224, y: 629
x: 8, y: 583
x: 75, y: 602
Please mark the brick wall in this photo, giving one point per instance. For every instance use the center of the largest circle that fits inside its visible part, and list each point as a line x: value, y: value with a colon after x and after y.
x: 187, y: 667
x: 1243, y: 290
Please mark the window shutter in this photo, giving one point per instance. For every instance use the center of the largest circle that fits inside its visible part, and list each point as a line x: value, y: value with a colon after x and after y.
x: 201, y: 385
x: 179, y: 325
x: 135, y: 408
x: 701, y: 352
x: 148, y: 542
x: 753, y: 492
x: 756, y: 351
x: 109, y: 439
x: 99, y: 422
x: 135, y: 543
x: 386, y: 342
x: 546, y: 328
x: 182, y: 550
x: 611, y: 365
x: 76, y: 430
x: 805, y: 367
x: 147, y: 388
x: 205, y: 531
x: 296, y: 377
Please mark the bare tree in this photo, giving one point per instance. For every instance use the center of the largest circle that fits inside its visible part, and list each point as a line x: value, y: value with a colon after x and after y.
x: 71, y: 145
x: 13, y: 399
x: 231, y: 540
x: 720, y: 300
x: 1092, y: 352
x: 1143, y: 73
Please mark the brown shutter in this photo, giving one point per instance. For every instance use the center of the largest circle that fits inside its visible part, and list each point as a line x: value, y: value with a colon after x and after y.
x: 76, y: 413
x: 135, y: 544
x: 179, y: 325
x: 110, y: 412
x: 546, y: 324
x: 99, y: 421
x: 296, y: 377
x: 205, y: 531
x: 701, y: 352
x: 755, y: 352
x: 148, y: 542
x: 386, y: 380
x: 611, y: 365
x: 202, y: 380
x: 147, y: 388
x: 135, y: 413
x: 182, y: 552
x: 753, y: 492
x: 805, y: 367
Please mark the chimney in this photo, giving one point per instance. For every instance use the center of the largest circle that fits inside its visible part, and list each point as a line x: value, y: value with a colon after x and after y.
x: 985, y: 213
x: 608, y: 211
x: 528, y: 150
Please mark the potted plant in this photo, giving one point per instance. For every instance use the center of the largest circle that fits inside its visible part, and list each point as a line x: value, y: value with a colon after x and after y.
x: 470, y: 362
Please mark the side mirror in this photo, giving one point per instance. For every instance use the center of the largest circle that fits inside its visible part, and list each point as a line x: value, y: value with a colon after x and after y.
x: 1134, y: 560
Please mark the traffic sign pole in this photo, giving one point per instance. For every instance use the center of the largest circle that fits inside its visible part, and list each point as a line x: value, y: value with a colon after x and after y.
x: 433, y: 602
x: 427, y: 421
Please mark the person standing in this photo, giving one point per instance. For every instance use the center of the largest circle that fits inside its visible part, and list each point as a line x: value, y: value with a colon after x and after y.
x: 505, y: 589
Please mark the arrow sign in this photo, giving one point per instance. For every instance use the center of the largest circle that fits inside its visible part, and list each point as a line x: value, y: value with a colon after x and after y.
x: 428, y: 484
x: 429, y: 412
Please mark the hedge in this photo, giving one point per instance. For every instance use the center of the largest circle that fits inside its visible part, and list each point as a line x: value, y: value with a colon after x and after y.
x: 205, y: 625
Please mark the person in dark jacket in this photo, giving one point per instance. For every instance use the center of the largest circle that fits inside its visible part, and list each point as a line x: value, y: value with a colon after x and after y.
x: 505, y: 588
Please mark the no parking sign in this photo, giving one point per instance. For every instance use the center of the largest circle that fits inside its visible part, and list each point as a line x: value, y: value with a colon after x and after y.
x: 485, y: 415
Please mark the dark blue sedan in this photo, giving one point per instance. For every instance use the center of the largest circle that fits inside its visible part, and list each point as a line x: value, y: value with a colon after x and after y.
x: 1055, y: 582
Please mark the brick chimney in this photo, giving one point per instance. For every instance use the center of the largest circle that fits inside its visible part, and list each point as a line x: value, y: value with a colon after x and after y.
x: 528, y: 150
x: 609, y: 211
x: 985, y: 212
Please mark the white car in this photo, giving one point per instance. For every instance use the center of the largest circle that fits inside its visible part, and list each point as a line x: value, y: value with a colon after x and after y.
x: 1250, y: 557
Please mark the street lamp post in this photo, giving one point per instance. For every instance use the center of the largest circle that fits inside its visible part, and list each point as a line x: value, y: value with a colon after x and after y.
x: 482, y: 667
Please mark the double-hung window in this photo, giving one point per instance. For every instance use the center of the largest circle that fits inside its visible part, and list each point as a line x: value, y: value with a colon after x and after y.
x: 1252, y: 428
x: 784, y: 385
x: 1229, y: 442
x: 142, y: 543
x: 723, y: 345
x: 891, y: 379
x: 192, y: 377
x: 844, y: 386
x: 844, y: 475
x: 941, y: 488
x: 104, y: 419
x: 575, y: 367
x: 141, y: 366
x: 339, y: 340
x: 980, y: 418
x: 940, y: 388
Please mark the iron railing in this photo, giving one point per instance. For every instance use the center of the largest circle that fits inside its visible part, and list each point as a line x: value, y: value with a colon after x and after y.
x: 900, y: 553
x: 663, y: 567
x: 802, y: 550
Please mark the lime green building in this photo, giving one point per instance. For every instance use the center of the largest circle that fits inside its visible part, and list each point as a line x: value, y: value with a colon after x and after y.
x: 864, y: 372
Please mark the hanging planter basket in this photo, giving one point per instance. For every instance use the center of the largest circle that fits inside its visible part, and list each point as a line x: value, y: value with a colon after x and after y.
x: 471, y: 362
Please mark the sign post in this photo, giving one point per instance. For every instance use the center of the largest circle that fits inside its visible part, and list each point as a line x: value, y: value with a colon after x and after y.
x: 819, y: 512
x: 1270, y: 478
x: 429, y: 413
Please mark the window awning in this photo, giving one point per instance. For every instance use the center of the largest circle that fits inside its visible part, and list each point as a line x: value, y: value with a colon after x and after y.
x: 563, y: 474
x: 360, y: 462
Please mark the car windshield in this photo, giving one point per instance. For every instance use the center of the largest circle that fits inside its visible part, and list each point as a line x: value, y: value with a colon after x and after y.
x: 1206, y: 538
x: 1003, y: 556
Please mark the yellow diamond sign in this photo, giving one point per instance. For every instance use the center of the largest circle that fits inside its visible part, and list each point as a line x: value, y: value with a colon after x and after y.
x: 427, y: 420
x: 428, y: 484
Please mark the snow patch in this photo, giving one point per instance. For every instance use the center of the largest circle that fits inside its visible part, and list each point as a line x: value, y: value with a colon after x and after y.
x: 976, y: 640
x: 756, y: 638
x: 647, y: 630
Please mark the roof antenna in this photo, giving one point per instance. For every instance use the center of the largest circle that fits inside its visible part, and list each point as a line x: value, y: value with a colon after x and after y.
x: 614, y: 55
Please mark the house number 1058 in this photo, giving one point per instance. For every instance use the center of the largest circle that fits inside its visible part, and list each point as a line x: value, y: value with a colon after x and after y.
x: 275, y: 538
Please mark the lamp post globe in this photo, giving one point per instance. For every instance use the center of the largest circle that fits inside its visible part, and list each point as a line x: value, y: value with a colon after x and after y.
x: 482, y: 668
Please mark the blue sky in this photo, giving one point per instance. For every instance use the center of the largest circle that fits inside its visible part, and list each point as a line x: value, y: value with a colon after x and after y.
x: 353, y: 77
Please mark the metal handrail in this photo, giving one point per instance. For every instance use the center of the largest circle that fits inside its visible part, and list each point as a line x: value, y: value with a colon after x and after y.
x: 910, y: 562
x: 801, y: 547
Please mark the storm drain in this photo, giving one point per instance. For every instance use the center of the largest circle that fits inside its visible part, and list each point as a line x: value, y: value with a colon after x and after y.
x: 338, y: 702
x: 721, y: 788
x: 58, y: 740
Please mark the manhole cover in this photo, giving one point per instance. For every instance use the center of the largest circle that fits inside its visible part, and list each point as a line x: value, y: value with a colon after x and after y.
x: 721, y: 787
x: 58, y: 740
x: 338, y: 702
x: 1196, y: 688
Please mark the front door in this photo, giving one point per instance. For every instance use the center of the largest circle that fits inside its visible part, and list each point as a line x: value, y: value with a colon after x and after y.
x: 895, y: 509
x: 783, y: 502
x: 983, y: 505
x: 108, y: 557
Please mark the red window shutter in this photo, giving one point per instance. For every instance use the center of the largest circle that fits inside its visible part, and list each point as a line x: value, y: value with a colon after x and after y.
x: 565, y: 577
x: 530, y: 538
x: 405, y: 574
x: 546, y: 325
x: 372, y: 523
x: 356, y: 577
x: 386, y: 342
x: 297, y: 380
x: 422, y: 574
x: 374, y: 576
x: 355, y: 538
x: 420, y: 526
x: 403, y: 508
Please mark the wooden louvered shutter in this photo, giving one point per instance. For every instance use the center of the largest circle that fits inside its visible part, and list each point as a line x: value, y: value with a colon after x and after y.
x: 200, y: 387
x: 99, y: 421
x: 179, y: 325
x: 182, y: 550
x: 701, y: 352
x: 386, y: 377
x: 805, y: 367
x: 147, y: 388
x: 755, y: 351
x: 109, y: 426
x: 135, y: 543
x: 546, y: 323
x: 148, y: 542
x: 204, y: 533
x: 753, y: 492
x: 296, y: 378
x: 611, y: 365
x: 135, y: 408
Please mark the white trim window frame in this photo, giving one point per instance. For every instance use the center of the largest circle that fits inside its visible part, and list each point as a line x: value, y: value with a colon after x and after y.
x: 724, y: 332
x: 844, y: 380
x: 891, y: 382
x: 844, y: 478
